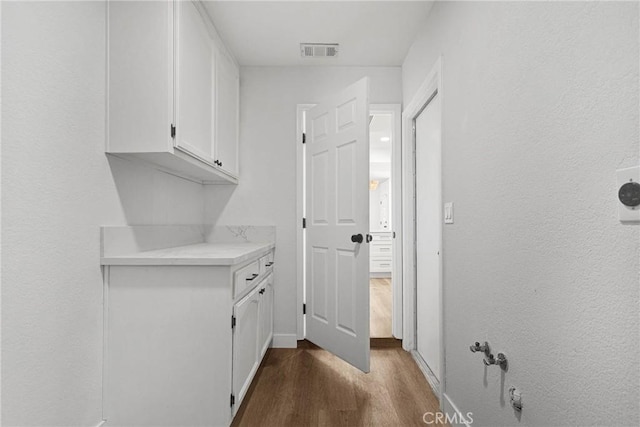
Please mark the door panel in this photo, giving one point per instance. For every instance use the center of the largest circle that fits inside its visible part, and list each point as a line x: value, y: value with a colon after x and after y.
x: 195, y: 83
x: 428, y: 220
x: 245, y: 343
x: 337, y: 188
x: 266, y: 315
x: 227, y: 113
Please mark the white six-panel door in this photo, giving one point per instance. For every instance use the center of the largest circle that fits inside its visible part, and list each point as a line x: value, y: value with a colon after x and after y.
x: 337, y: 206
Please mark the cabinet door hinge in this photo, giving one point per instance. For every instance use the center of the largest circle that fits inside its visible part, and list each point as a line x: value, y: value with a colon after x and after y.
x: 304, y: 308
x: 304, y: 138
x: 173, y: 130
x: 232, y: 400
x: 304, y: 222
x: 233, y: 322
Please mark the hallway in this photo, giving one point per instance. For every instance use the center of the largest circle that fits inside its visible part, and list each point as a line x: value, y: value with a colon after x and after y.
x: 309, y: 386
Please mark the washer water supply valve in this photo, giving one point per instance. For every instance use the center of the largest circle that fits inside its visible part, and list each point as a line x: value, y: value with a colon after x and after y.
x: 489, y: 358
x: 501, y: 360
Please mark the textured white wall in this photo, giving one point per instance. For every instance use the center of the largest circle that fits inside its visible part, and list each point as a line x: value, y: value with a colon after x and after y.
x: 266, y: 194
x: 540, y: 108
x: 58, y: 188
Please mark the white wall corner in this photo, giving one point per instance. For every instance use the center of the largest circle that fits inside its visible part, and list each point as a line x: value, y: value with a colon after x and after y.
x: 284, y: 341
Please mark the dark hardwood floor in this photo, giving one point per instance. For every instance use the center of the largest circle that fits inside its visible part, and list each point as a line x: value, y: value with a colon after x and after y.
x: 308, y: 386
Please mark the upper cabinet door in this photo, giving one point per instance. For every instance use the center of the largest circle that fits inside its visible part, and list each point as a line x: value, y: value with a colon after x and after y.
x: 227, y: 112
x: 195, y: 82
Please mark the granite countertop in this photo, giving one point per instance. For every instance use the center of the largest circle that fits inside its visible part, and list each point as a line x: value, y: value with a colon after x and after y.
x: 196, y: 254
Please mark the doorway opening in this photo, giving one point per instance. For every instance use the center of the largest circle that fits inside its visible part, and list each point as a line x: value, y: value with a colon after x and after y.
x: 382, y: 222
x: 423, y: 228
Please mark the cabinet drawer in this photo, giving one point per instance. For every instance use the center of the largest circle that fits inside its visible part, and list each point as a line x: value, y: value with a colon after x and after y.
x: 245, y: 278
x: 381, y: 250
x: 266, y: 263
x: 386, y: 237
x: 378, y: 265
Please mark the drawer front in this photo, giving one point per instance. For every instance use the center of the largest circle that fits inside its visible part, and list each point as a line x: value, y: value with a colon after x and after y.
x: 380, y: 265
x: 266, y: 263
x: 245, y: 278
x: 381, y: 237
x: 381, y: 249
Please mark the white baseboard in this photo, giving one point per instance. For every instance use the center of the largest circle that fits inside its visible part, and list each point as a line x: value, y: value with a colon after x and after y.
x: 450, y: 408
x: 101, y: 423
x: 434, y: 383
x: 284, y: 341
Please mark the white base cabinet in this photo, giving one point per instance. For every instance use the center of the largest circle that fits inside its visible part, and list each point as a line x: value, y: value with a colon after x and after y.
x: 180, y: 348
x: 173, y: 90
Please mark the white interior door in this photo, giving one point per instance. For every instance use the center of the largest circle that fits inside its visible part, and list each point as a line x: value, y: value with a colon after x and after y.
x: 337, y: 207
x: 428, y: 226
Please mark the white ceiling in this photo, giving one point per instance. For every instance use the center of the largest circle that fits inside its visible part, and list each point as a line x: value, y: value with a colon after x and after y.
x: 269, y: 33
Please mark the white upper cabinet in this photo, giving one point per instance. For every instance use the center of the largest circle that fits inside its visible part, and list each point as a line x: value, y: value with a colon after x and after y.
x: 195, y: 83
x: 228, y: 111
x: 171, y: 83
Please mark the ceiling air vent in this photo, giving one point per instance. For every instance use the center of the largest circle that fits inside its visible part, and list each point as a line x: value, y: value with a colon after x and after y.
x: 318, y: 50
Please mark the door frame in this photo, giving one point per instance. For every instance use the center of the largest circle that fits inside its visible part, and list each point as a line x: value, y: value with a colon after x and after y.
x: 431, y: 85
x: 397, y: 268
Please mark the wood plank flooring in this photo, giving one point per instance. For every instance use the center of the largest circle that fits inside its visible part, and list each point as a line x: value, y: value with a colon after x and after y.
x: 310, y: 387
x: 380, y: 313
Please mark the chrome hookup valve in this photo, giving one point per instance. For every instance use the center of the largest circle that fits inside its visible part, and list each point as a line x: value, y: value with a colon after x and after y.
x: 501, y: 360
x: 477, y: 347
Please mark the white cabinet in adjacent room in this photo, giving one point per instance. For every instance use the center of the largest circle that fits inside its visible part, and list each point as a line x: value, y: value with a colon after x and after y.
x: 173, y: 90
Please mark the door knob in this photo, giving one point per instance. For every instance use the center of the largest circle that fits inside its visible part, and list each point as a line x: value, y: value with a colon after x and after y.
x: 369, y: 238
x: 357, y: 238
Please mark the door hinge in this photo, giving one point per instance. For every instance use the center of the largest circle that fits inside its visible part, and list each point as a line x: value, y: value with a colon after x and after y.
x: 233, y: 322
x: 304, y: 308
x: 173, y: 130
x: 232, y: 400
x: 304, y: 138
x: 394, y: 234
x: 304, y: 222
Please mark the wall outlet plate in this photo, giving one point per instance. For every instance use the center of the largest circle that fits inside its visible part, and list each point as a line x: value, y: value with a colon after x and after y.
x: 623, y: 176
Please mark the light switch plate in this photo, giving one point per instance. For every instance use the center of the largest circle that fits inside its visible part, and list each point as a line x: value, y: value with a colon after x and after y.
x: 448, y: 213
x: 626, y: 213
